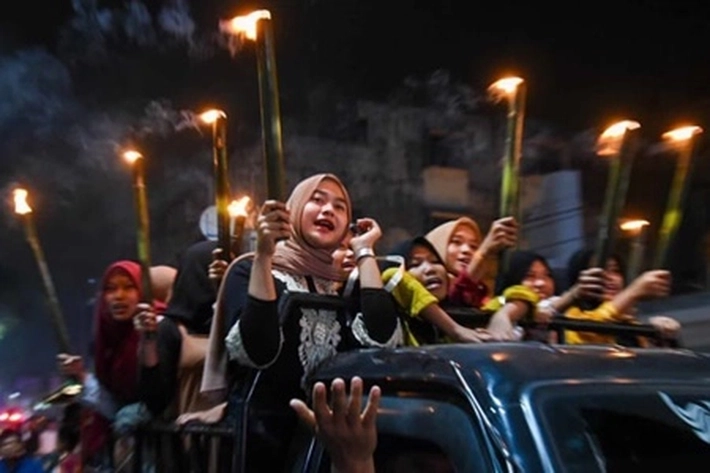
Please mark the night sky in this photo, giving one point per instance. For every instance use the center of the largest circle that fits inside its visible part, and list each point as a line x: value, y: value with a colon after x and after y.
x: 72, y: 81
x: 584, y: 63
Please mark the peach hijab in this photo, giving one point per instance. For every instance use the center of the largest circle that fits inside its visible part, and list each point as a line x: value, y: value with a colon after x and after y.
x: 295, y: 256
x: 440, y: 237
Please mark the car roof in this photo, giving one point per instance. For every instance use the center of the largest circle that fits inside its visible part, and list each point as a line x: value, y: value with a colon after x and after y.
x: 506, y: 369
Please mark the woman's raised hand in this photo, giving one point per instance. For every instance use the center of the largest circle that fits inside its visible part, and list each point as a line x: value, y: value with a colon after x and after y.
x: 272, y: 225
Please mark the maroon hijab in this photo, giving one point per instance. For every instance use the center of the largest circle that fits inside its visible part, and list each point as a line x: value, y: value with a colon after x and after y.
x: 116, y: 341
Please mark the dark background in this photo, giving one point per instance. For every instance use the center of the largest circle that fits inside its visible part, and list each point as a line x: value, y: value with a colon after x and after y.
x: 76, y: 78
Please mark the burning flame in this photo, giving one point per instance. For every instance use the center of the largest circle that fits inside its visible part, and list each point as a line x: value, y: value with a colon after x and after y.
x: 507, y: 85
x: 633, y: 225
x: 238, y: 208
x: 21, y: 205
x: 610, y: 140
x: 211, y: 116
x: 245, y: 25
x: 132, y: 156
x: 682, y: 133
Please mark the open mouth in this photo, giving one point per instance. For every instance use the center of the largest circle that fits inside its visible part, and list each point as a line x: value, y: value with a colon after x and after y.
x: 119, y: 308
x: 349, y: 264
x: 325, y: 224
x: 432, y: 283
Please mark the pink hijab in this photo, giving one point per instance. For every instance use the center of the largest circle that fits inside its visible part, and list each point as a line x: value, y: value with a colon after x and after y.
x: 295, y: 256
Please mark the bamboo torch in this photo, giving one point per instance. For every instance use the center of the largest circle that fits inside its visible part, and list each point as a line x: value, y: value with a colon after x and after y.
x: 619, y: 144
x: 137, y: 162
x: 637, y: 230
x: 218, y: 120
x: 23, y: 209
x: 238, y: 210
x: 513, y: 90
x: 683, y: 140
x: 257, y: 27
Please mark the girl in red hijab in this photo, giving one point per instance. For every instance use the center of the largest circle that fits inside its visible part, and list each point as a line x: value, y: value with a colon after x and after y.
x: 114, y: 384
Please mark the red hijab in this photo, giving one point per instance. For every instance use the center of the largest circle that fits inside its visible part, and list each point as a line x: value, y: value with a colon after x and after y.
x: 116, y: 341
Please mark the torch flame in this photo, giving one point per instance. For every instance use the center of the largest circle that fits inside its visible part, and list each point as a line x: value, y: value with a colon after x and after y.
x: 682, y: 133
x: 633, y: 225
x: 507, y: 85
x: 238, y: 208
x: 610, y: 140
x: 131, y: 156
x: 245, y: 25
x: 21, y: 205
x: 212, y: 115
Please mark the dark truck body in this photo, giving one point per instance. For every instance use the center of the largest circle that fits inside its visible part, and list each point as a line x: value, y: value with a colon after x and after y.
x: 530, y: 407
x: 495, y: 407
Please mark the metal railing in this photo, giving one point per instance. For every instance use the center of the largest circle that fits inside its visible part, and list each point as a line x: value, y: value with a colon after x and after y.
x: 166, y: 447
x: 479, y: 319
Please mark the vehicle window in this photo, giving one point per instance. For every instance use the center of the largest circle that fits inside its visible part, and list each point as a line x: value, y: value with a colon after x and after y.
x: 626, y: 428
x: 406, y: 455
x: 397, y: 454
x: 416, y: 435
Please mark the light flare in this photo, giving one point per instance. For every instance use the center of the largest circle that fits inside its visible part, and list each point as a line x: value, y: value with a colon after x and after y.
x: 211, y: 116
x: 633, y: 225
x: 682, y: 133
x: 609, y: 142
x: 239, y: 208
x: 506, y: 85
x: 20, y: 198
x: 131, y: 156
x: 244, y: 25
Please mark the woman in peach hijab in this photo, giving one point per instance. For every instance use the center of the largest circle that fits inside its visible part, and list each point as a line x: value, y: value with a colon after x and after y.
x: 468, y: 256
x: 295, y: 243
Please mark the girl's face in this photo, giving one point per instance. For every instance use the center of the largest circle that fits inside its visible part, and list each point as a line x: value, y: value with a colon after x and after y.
x: 613, y: 279
x: 344, y: 257
x: 325, y: 216
x: 425, y: 266
x: 539, y: 279
x: 463, y: 244
x: 121, y: 295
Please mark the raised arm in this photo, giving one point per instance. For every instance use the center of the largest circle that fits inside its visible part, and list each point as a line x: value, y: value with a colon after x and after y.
x: 379, y: 309
x: 158, y: 360
x: 589, y: 285
x: 503, y: 234
x: 254, y: 332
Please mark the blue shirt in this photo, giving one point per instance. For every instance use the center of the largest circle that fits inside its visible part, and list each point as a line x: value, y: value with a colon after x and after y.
x: 26, y: 465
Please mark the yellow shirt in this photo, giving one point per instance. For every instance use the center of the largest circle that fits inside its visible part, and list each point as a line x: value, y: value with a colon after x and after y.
x: 604, y: 313
x: 513, y: 293
x: 411, y: 296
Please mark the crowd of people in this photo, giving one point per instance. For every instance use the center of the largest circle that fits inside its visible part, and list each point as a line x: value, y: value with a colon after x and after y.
x: 217, y: 324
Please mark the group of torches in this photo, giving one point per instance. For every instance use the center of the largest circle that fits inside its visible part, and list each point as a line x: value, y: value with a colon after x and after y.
x: 619, y: 143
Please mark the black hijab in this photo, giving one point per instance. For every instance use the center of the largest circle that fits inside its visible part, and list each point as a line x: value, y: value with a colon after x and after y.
x: 518, y: 267
x: 406, y: 248
x: 582, y: 259
x: 193, y: 292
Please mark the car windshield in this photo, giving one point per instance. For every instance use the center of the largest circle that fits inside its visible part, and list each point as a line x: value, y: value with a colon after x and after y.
x: 622, y: 427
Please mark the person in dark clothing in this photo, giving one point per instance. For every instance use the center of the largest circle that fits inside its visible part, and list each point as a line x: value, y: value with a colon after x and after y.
x: 172, y: 363
x: 14, y: 457
x: 618, y: 301
x: 282, y: 342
